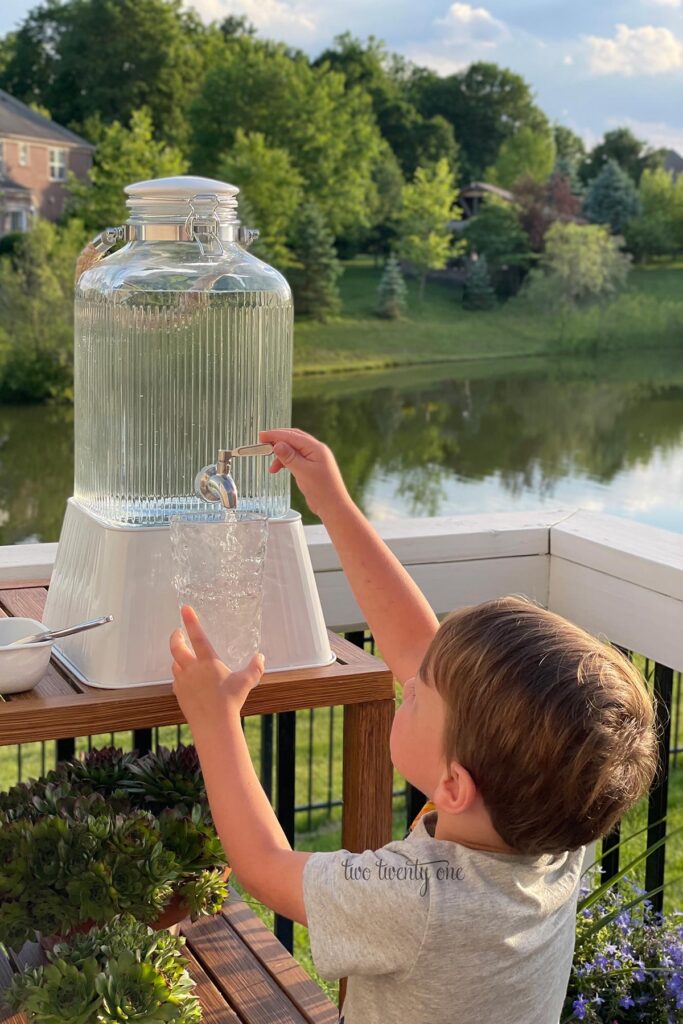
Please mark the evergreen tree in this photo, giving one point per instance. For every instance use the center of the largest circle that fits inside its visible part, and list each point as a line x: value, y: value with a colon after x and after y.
x: 392, y: 292
x: 315, y: 281
x: 478, y: 292
x: 612, y: 198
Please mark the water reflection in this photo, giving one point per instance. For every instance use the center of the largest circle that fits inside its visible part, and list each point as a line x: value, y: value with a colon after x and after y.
x: 438, y: 440
x: 601, y: 434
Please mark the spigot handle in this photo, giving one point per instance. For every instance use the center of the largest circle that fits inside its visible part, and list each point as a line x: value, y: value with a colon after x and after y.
x: 246, y: 449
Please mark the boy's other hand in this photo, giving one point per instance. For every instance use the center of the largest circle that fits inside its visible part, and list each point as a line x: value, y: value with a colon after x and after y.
x: 203, y: 685
x: 312, y: 465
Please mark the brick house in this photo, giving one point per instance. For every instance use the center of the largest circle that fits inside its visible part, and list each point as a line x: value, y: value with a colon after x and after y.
x: 35, y: 157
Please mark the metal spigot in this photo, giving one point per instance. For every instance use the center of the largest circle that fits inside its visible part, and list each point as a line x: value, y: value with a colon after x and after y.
x: 215, y: 483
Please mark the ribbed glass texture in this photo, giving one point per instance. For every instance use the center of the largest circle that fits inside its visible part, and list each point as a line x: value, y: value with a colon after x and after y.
x: 175, y: 359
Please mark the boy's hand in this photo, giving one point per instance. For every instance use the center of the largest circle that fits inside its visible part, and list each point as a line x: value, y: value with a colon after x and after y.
x: 203, y: 685
x: 312, y: 465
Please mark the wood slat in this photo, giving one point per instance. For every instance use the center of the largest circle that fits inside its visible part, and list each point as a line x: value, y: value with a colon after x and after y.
x: 246, y: 984
x: 290, y: 976
x: 24, y: 602
x: 215, y: 1010
x: 19, y: 584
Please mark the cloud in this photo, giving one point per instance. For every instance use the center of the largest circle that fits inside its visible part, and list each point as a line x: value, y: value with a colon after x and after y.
x: 292, y: 21
x: 466, y: 24
x: 664, y: 3
x: 657, y: 133
x: 460, y: 37
x: 635, y: 51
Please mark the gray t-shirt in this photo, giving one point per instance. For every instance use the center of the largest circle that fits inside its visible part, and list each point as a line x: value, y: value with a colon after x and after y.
x: 431, y: 931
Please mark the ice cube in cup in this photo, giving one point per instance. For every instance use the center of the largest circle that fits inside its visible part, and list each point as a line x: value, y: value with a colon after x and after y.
x: 218, y: 568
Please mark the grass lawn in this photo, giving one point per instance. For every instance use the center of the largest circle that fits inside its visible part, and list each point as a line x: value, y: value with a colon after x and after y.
x: 438, y: 329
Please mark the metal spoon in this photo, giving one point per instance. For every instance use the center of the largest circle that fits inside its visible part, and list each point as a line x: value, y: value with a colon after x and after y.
x: 54, y: 634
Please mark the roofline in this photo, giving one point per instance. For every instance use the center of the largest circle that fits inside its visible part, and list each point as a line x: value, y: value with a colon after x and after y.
x: 49, y: 143
x: 63, y: 134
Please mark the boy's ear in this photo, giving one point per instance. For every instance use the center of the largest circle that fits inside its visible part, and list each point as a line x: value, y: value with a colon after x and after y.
x: 455, y: 791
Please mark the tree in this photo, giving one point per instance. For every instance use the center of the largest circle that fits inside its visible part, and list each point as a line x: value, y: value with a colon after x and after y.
x: 316, y: 293
x: 478, y: 292
x: 425, y: 234
x: 123, y: 155
x: 528, y: 153
x: 485, y: 104
x: 415, y: 140
x: 497, y: 235
x: 392, y: 292
x: 36, y: 313
x: 389, y: 183
x: 270, y: 184
x: 568, y: 145
x: 570, y: 156
x: 328, y: 130
x: 81, y: 58
x: 658, y: 229
x: 543, y: 203
x: 631, y: 154
x: 612, y: 198
x: 581, y: 263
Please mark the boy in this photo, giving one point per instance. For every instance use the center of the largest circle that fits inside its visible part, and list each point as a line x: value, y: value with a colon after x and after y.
x: 530, y: 738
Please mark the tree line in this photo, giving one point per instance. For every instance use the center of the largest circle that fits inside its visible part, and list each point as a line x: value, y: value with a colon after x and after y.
x: 358, y: 150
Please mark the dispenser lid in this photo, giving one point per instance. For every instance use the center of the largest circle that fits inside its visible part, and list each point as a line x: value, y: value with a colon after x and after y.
x: 181, y: 187
x: 171, y: 199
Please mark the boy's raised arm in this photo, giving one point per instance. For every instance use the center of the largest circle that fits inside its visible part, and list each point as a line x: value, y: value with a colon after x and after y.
x: 394, y: 607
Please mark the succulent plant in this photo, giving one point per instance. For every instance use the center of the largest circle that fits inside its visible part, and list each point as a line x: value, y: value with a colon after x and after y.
x: 168, y: 778
x: 205, y: 893
x: 70, y: 854
x: 59, y: 993
x: 122, y: 972
x: 106, y: 770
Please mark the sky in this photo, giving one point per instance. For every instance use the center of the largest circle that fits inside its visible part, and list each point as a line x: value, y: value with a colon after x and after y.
x: 592, y: 64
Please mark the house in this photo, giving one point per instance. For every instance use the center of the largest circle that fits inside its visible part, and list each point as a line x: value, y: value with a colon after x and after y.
x: 472, y: 196
x: 672, y: 162
x: 35, y: 157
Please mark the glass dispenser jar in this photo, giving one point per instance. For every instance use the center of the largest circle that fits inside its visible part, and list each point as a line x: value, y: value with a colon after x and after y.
x: 183, y: 346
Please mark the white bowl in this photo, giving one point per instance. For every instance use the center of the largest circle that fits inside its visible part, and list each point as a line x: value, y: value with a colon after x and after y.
x: 22, y: 667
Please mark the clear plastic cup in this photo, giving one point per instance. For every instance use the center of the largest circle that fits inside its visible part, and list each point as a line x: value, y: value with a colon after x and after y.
x: 218, y: 569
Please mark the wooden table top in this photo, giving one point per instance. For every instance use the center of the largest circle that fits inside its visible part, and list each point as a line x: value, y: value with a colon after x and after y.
x: 60, y: 706
x: 243, y: 974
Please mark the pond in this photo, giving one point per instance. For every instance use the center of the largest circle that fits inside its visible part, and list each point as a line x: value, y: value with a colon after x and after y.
x: 495, y: 435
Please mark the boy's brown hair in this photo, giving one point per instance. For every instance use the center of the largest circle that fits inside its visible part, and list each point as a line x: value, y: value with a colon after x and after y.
x: 555, y: 727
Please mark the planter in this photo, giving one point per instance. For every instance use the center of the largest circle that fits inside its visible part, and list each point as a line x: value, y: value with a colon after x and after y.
x: 168, y: 920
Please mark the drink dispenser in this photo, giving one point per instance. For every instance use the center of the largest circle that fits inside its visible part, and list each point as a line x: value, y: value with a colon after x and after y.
x: 183, y: 353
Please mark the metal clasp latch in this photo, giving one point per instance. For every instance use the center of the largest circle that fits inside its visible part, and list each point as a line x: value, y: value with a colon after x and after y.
x: 99, y: 247
x: 203, y: 223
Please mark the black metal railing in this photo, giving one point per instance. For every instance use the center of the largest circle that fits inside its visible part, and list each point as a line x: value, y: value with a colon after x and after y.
x: 299, y: 755
x: 665, y: 685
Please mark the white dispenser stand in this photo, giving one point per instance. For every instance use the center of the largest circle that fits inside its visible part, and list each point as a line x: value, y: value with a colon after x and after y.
x: 105, y: 568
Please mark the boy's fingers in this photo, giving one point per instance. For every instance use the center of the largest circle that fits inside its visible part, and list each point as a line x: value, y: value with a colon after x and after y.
x: 182, y: 654
x: 285, y: 453
x: 251, y: 674
x: 198, y: 638
x: 275, y: 466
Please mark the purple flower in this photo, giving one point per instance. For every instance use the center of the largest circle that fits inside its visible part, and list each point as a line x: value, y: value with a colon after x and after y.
x: 579, y: 1007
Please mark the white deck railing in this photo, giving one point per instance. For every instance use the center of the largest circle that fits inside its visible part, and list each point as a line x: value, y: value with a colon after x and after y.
x: 614, y: 577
